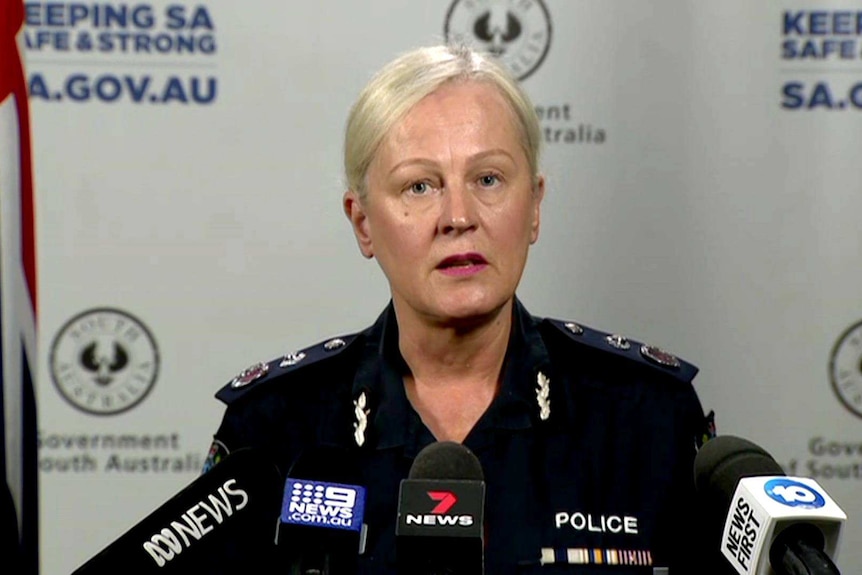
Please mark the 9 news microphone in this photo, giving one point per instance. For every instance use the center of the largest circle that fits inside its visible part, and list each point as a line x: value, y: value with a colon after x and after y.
x: 321, y: 516
x: 226, y: 517
x: 441, y: 513
x: 772, y: 524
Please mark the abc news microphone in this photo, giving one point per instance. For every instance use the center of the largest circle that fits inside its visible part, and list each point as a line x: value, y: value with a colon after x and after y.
x: 320, y: 532
x: 441, y: 513
x: 770, y: 524
x: 226, y: 517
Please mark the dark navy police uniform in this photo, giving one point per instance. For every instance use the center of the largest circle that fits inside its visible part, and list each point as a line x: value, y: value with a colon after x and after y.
x: 587, y: 449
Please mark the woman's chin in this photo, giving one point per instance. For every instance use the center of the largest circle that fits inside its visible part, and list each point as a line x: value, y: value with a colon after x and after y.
x: 469, y: 311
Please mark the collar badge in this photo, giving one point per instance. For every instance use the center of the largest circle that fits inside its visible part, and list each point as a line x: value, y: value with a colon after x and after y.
x: 543, y: 396
x: 361, y: 412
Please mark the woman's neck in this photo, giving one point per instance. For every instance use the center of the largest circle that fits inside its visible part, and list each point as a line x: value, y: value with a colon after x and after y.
x: 454, y: 370
x: 438, y: 352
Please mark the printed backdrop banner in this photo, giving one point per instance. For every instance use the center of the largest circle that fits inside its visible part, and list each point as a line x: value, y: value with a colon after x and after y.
x: 703, y: 196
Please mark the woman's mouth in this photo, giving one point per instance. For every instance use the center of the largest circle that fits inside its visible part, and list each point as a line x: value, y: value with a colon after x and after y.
x: 463, y: 264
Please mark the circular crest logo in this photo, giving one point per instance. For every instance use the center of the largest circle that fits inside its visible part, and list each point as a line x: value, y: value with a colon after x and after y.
x: 104, y: 361
x: 845, y: 369
x: 516, y: 31
x: 794, y: 494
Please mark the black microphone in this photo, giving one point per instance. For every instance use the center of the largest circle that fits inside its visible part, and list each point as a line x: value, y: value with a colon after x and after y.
x: 321, y: 527
x: 225, y: 517
x: 767, y: 523
x: 441, y: 513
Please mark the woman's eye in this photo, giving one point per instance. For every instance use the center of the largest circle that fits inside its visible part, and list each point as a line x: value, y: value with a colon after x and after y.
x: 420, y: 188
x: 488, y: 180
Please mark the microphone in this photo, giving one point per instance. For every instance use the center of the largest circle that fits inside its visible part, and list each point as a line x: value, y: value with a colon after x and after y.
x: 772, y: 524
x: 227, y: 515
x: 321, y: 530
x: 441, y: 513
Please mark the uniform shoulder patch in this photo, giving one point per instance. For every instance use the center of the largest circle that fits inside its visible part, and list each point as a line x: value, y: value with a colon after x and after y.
x: 708, y: 430
x: 217, y: 452
x: 259, y: 373
x: 624, y: 347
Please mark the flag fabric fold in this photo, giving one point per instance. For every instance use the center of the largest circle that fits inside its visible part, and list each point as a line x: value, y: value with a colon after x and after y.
x: 18, y: 451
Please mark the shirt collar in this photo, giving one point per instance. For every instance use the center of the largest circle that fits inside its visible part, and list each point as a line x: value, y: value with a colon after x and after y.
x: 392, y: 422
x: 526, y: 356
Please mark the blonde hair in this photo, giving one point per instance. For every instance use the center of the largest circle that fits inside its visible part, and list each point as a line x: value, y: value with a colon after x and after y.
x: 403, y: 82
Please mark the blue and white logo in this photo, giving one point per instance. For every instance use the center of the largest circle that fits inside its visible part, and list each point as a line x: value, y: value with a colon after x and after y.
x: 322, y: 504
x: 794, y: 494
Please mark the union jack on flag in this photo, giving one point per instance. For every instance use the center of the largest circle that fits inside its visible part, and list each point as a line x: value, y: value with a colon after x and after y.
x: 18, y: 466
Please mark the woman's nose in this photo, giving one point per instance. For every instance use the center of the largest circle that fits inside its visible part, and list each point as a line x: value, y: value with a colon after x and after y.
x: 457, y: 214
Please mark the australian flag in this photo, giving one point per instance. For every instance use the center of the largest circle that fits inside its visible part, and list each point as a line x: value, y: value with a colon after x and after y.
x: 19, y: 510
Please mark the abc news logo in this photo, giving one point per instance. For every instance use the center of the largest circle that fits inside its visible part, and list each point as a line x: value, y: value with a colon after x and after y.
x: 323, y: 504
x: 198, y: 520
x: 446, y: 500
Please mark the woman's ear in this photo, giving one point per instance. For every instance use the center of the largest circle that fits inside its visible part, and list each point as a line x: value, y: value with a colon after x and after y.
x: 355, y: 212
x: 538, y: 195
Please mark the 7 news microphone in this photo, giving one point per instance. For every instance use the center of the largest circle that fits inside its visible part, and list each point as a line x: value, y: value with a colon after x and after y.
x: 321, y: 527
x: 770, y: 524
x: 441, y: 513
x: 226, y: 517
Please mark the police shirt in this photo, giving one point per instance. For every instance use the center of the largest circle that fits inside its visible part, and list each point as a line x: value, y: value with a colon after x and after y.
x: 587, y: 448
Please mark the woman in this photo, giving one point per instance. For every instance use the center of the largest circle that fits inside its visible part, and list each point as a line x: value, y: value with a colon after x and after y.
x: 586, y: 440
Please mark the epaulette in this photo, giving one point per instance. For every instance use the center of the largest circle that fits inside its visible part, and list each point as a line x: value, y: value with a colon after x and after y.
x: 258, y: 374
x: 629, y: 349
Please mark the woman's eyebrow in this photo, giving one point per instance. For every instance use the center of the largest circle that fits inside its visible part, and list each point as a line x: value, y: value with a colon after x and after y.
x: 471, y: 159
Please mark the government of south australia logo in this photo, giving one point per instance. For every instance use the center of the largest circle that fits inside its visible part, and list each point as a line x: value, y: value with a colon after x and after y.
x: 104, y: 361
x: 516, y: 31
x: 845, y: 368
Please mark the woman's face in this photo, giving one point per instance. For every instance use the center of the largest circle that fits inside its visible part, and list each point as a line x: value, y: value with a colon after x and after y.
x: 450, y: 209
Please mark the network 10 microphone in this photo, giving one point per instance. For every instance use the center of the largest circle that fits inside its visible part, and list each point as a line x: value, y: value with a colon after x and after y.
x: 321, y: 530
x: 224, y: 519
x: 772, y: 524
x: 441, y: 513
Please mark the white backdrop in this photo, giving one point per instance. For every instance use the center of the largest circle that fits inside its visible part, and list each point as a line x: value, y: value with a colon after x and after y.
x: 702, y: 162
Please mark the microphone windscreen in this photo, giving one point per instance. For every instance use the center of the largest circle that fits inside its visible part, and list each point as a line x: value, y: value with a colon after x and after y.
x: 322, y: 513
x: 225, y: 517
x: 446, y: 460
x: 759, y: 517
x: 441, y: 513
x: 722, y: 462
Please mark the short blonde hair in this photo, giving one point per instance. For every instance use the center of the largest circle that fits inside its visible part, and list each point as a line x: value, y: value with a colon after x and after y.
x: 403, y: 82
